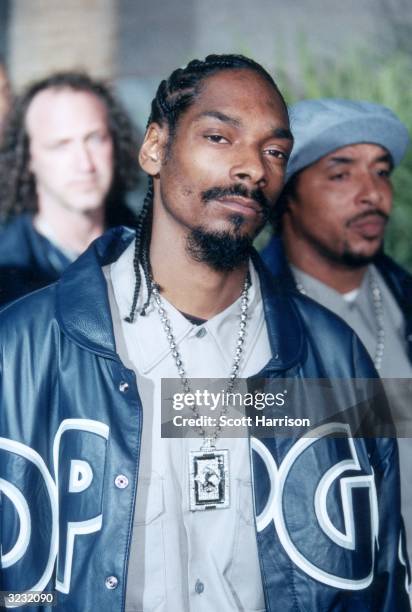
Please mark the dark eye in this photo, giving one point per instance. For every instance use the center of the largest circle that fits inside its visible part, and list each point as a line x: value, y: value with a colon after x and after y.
x: 216, y: 138
x: 276, y: 153
x: 339, y: 176
x: 384, y: 172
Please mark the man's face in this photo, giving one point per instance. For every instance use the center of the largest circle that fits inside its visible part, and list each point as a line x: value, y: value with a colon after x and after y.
x: 342, y: 204
x: 71, y: 149
x: 224, y: 167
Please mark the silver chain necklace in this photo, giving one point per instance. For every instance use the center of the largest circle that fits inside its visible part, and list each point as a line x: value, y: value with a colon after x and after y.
x: 209, y: 477
x: 378, y: 312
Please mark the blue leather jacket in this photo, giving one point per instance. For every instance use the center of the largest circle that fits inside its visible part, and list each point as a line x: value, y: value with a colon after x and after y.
x: 71, y: 420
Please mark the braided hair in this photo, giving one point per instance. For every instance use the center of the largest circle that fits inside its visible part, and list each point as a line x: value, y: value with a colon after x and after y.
x: 173, y: 97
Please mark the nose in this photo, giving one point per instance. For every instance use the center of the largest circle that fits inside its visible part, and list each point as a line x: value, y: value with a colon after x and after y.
x: 369, y: 193
x: 249, y: 168
x: 84, y: 158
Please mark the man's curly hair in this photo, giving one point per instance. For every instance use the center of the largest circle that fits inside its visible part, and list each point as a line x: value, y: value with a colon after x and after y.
x: 17, y: 184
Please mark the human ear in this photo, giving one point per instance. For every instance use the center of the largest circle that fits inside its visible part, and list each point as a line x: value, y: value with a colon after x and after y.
x: 150, y: 154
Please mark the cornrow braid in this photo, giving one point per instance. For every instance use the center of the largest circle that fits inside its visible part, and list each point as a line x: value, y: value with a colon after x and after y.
x: 179, y: 91
x: 141, y: 252
x: 173, y: 97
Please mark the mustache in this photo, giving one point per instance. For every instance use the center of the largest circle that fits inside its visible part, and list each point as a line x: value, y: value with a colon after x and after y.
x: 366, y: 214
x: 256, y: 195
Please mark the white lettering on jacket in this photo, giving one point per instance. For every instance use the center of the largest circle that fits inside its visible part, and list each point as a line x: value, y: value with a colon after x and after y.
x: 303, y: 492
x: 62, y: 506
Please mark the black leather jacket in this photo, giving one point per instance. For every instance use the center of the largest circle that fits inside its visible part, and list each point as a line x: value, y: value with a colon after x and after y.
x: 28, y: 261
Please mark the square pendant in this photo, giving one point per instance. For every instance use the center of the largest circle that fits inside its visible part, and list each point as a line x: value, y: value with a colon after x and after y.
x: 209, y: 480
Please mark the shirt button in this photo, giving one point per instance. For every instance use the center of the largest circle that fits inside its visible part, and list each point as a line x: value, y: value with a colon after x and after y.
x: 202, y: 332
x: 199, y: 587
x: 121, y: 481
x: 123, y: 386
x: 111, y: 582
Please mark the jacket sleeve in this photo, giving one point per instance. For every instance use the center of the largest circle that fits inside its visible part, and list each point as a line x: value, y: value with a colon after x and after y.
x: 392, y: 575
x: 391, y: 583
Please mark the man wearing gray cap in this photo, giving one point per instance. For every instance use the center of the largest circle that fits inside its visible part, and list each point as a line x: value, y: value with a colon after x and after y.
x: 332, y: 216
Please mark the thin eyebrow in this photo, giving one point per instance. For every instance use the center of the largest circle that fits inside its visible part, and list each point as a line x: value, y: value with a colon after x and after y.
x: 93, y: 132
x: 349, y: 160
x: 386, y: 157
x: 280, y: 132
x: 220, y: 116
x: 340, y: 160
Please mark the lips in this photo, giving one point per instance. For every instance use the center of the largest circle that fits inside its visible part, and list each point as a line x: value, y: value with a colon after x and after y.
x: 241, y: 205
x: 370, y: 226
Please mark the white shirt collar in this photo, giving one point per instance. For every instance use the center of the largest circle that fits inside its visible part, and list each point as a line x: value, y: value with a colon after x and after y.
x: 152, y: 345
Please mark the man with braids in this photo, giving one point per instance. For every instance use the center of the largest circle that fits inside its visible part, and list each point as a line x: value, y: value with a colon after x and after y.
x: 67, y: 159
x: 95, y: 503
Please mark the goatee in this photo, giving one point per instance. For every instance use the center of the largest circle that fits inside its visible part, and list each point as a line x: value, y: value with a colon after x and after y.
x: 222, y: 251
x: 355, y: 260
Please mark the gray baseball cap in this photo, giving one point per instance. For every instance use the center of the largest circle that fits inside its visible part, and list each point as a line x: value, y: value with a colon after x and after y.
x: 322, y: 126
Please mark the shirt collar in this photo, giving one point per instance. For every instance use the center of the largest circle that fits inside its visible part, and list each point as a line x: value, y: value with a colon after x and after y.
x: 323, y: 293
x: 83, y: 310
x: 151, y: 338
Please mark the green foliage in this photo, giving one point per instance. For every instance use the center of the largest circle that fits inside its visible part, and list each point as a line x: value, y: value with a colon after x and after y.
x: 362, y: 76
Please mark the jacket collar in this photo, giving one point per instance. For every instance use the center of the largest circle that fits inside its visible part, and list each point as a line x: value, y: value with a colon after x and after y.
x: 83, y: 309
x: 399, y: 281
x: 274, y: 257
x: 284, y: 324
